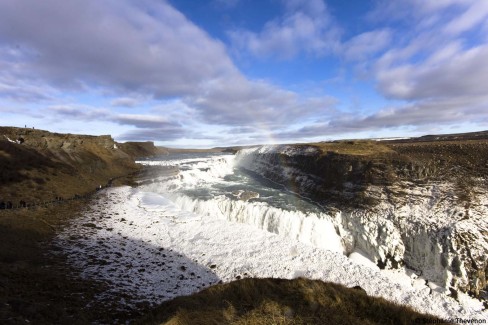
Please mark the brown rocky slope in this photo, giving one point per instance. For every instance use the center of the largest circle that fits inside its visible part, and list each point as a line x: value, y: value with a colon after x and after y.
x: 45, y: 170
x: 38, y: 166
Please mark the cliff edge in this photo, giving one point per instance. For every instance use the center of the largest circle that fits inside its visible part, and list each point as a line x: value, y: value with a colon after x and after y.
x: 39, y: 166
x: 419, y: 203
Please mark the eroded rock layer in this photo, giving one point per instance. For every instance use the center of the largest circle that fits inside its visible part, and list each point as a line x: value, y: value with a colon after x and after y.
x: 420, y: 203
x: 40, y: 166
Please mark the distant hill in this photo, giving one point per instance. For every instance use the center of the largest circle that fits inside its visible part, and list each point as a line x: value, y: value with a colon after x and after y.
x: 479, y: 135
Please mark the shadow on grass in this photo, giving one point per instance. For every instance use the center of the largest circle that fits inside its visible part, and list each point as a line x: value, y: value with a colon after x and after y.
x: 279, y: 301
x: 16, y: 159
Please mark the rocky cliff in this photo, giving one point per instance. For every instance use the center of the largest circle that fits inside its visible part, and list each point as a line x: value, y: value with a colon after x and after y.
x: 142, y: 149
x: 38, y: 165
x: 420, y: 203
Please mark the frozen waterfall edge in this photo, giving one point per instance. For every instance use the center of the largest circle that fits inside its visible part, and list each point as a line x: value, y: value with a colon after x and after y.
x: 423, y: 227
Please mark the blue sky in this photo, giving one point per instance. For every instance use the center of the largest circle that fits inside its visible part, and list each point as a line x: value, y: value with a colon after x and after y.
x: 211, y: 73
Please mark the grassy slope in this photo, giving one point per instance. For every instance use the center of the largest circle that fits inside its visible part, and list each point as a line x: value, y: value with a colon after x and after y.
x: 355, y: 148
x: 278, y: 301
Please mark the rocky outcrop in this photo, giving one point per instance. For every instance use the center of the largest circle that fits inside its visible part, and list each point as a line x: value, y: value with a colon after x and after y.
x: 39, y: 165
x: 417, y: 203
x: 142, y: 149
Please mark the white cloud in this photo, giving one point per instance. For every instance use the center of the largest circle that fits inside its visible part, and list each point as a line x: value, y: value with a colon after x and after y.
x: 145, y: 49
x: 445, y: 53
x: 421, y: 116
x: 23, y: 91
x: 387, y: 10
x: 142, y: 121
x: 113, y: 44
x: 76, y: 112
x: 366, y: 44
x: 126, y: 101
x: 423, y: 60
x: 449, y: 16
x: 306, y: 27
x: 146, y: 52
x: 449, y: 70
x: 476, y: 13
x: 240, y: 102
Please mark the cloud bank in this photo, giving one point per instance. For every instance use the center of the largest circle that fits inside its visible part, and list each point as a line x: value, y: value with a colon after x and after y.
x: 146, y: 69
x: 148, y: 48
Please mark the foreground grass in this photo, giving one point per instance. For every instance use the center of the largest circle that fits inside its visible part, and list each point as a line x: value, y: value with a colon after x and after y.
x: 279, y: 301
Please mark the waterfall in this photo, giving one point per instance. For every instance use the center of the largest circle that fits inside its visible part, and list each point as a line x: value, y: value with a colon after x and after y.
x: 309, y: 228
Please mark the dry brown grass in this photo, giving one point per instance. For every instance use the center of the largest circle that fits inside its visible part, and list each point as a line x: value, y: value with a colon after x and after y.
x: 356, y: 147
x: 277, y: 301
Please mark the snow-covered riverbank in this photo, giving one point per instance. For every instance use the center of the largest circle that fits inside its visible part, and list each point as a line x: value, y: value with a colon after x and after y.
x: 147, y: 249
x: 432, y: 225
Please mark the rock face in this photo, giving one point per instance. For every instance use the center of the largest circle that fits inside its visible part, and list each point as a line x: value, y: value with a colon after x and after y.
x: 422, y: 204
x: 245, y: 195
x: 141, y: 149
x: 39, y: 165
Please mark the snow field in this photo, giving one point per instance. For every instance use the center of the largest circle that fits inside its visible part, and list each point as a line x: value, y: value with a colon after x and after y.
x: 146, y: 249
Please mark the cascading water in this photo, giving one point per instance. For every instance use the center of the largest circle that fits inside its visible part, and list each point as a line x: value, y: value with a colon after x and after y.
x: 243, y: 188
x: 197, y: 219
x: 216, y: 185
